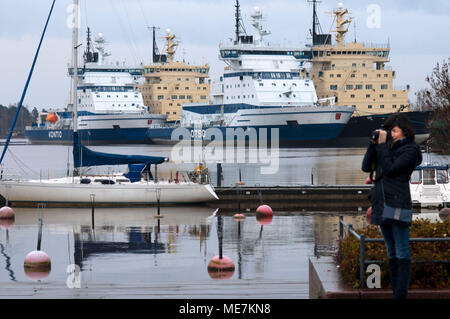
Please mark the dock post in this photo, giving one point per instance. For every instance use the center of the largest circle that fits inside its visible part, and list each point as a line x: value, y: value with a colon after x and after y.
x: 156, y: 173
x: 341, y: 228
x: 219, y: 174
x: 158, y: 201
x: 92, y: 205
x: 220, y: 235
x: 362, y: 260
x: 39, y: 235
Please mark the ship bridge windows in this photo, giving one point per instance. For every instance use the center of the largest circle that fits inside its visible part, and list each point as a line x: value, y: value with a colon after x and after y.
x: 264, y: 75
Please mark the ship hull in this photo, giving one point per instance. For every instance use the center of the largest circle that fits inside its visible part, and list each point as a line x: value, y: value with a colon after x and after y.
x: 99, y: 129
x: 89, y: 137
x: 354, y: 134
x: 358, y: 130
x: 287, y: 136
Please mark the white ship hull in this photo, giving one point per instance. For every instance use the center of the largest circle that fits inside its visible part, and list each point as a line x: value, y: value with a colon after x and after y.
x: 68, y: 191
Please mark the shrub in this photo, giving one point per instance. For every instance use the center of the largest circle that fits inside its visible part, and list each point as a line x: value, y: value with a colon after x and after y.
x: 423, y: 275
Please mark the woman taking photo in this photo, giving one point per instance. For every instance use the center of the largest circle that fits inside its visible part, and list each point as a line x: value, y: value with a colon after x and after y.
x: 393, y: 156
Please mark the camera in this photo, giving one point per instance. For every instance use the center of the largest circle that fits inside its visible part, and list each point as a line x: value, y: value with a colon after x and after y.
x: 376, y: 135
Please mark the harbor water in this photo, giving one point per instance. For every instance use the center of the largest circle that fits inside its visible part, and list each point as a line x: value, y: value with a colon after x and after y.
x: 280, y: 167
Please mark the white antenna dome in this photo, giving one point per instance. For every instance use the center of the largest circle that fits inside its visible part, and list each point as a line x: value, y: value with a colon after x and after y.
x: 168, y: 31
x: 340, y: 5
x: 257, y: 10
x: 100, y: 35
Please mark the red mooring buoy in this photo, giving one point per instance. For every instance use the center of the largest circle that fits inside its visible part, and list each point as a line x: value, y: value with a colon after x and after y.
x: 6, y: 224
x: 7, y: 213
x: 264, y: 209
x: 264, y: 219
x: 37, y: 265
x: 221, y: 268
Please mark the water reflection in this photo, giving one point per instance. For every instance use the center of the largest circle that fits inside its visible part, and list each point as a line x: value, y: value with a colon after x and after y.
x: 7, y: 263
x: 132, y: 246
x: 326, y: 231
x: 136, y: 241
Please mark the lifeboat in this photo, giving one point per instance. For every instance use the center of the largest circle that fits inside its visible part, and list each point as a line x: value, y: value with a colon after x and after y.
x: 52, y: 118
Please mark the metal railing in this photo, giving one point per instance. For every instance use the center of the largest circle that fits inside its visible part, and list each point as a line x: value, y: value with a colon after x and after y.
x: 362, y: 248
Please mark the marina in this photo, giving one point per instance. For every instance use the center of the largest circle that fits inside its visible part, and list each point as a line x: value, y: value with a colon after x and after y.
x: 159, y: 181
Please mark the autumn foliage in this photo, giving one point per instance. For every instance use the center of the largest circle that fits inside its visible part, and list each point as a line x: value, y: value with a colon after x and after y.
x: 424, y: 273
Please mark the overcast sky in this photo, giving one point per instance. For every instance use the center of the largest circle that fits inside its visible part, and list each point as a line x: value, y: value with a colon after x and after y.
x: 417, y: 31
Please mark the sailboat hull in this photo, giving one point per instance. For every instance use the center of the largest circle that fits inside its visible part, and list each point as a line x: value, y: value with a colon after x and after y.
x: 62, y: 192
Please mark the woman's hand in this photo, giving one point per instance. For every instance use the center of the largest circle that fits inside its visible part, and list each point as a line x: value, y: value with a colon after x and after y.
x: 383, y: 137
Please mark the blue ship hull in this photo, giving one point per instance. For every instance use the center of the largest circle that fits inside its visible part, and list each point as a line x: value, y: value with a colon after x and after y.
x: 289, y: 135
x: 354, y: 134
x: 89, y: 137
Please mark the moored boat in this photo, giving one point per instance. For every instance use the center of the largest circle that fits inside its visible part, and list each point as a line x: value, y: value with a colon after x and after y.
x: 266, y: 92
x: 111, y: 110
x: 430, y: 186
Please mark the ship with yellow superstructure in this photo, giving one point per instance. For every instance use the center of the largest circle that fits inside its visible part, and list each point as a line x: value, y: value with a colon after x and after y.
x: 168, y: 84
x: 357, y: 75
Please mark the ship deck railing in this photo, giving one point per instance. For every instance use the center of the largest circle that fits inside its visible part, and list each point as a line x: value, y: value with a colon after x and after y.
x: 348, y: 68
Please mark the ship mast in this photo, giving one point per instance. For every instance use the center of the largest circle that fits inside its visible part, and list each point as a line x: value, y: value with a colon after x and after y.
x: 157, y: 56
x: 240, y: 26
x: 75, y: 46
x: 171, y: 46
x: 75, y: 66
x: 341, y: 22
x: 238, y: 22
x: 316, y: 29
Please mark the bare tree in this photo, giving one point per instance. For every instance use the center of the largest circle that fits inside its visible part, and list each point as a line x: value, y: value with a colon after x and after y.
x: 437, y: 99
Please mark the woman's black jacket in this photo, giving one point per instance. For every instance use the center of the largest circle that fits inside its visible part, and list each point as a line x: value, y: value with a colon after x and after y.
x: 395, y: 164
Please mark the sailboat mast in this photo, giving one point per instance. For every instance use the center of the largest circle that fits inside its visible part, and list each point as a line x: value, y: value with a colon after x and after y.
x: 75, y: 66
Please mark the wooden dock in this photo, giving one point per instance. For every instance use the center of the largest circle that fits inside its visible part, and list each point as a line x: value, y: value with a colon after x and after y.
x: 213, y: 289
x: 308, y: 198
x: 15, y: 142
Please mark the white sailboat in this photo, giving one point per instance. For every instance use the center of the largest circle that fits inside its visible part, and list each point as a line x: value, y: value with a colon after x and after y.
x: 137, y: 187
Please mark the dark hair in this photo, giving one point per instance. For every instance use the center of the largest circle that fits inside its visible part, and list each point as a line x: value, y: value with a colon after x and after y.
x: 402, y: 121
